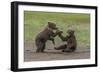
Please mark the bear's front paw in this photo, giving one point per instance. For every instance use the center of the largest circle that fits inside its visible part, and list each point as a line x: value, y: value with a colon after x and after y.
x: 59, y: 32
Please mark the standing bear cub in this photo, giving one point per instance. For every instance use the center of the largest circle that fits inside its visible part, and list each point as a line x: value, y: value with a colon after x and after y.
x: 46, y: 34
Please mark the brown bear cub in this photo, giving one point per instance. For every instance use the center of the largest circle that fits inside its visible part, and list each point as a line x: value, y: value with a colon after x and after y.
x: 71, y: 43
x: 46, y: 34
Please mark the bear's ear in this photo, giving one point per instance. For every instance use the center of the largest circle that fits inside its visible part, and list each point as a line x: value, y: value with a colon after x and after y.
x: 49, y: 22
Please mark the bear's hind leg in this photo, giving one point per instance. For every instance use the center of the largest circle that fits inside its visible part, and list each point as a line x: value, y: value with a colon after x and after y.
x: 39, y: 47
x: 61, y: 47
x: 42, y: 47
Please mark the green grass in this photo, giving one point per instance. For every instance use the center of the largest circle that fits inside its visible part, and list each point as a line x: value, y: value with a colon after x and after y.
x: 36, y: 21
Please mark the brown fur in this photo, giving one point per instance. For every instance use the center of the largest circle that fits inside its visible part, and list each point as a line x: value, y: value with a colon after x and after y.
x: 46, y: 34
x: 71, y: 42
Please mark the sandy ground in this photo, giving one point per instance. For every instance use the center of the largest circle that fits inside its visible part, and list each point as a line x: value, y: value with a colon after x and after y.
x: 52, y: 54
